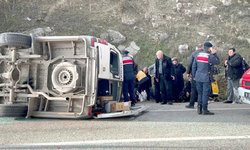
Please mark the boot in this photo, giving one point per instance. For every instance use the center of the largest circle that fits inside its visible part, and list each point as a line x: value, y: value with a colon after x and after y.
x: 163, y: 102
x: 189, y: 106
x: 199, y: 109
x: 206, y: 112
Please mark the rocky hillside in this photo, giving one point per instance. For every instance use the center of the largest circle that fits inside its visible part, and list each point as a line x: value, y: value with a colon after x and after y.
x: 144, y: 26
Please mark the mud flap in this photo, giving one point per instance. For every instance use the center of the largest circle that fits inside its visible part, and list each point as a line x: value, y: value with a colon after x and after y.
x: 245, y: 100
x: 135, y: 110
x: 244, y: 95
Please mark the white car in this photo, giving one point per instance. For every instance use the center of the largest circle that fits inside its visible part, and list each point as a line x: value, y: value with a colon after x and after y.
x: 244, y: 89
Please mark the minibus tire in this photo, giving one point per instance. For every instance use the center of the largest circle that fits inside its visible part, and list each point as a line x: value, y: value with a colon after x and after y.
x: 13, y: 110
x: 18, y: 40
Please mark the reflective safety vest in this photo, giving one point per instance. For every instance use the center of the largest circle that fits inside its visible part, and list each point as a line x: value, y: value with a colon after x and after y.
x: 141, y: 77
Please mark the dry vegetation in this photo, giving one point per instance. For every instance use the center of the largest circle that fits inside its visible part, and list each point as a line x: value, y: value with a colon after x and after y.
x: 196, y: 21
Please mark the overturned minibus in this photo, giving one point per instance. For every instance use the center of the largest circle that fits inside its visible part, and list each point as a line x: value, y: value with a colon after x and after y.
x: 60, y: 77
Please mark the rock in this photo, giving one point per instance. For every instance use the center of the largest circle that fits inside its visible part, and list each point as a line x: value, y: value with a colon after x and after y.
x: 243, y: 38
x: 226, y: 2
x: 158, y: 36
x: 243, y: 2
x: 240, y: 38
x: 202, y: 34
x: 164, y: 36
x: 178, y: 7
x: 155, y: 25
x: 116, y: 37
x: 40, y: 31
x: 40, y: 19
x: 105, y: 36
x: 27, y: 18
x: 48, y: 29
x: 128, y: 21
x: 189, y: 5
x: 242, y: 14
x: 248, y: 40
x: 210, y: 11
x: 188, y: 13
x: 198, y: 12
x: 183, y: 49
x: 221, y: 19
x: 183, y: 1
x: 133, y: 48
x: 121, y: 47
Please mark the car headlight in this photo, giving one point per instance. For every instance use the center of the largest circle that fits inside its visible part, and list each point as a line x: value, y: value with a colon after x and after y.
x: 240, y: 82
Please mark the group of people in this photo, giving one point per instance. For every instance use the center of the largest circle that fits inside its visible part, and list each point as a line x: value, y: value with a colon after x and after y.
x: 169, y: 81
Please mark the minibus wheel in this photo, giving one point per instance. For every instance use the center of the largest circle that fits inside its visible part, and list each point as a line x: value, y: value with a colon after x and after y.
x: 13, y: 110
x: 18, y: 40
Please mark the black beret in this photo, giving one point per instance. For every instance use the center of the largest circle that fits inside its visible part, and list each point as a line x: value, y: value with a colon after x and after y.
x: 208, y: 44
x: 125, y: 51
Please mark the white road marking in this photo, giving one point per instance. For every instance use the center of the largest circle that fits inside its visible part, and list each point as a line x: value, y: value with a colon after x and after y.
x: 188, y: 109
x: 99, y: 142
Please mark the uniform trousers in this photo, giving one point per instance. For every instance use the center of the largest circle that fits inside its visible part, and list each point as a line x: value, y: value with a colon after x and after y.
x: 128, y: 87
x: 203, y: 89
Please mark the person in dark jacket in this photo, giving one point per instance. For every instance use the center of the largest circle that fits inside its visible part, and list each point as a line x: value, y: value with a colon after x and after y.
x: 178, y: 83
x: 185, y: 93
x: 145, y: 84
x: 193, y: 94
x: 234, y: 71
x: 245, y: 65
x: 157, y: 94
x: 129, y: 77
x: 164, y: 75
x: 201, y: 71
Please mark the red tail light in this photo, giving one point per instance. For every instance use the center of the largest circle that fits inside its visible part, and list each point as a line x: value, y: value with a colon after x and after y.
x: 104, y: 42
x: 90, y: 110
x: 93, y: 40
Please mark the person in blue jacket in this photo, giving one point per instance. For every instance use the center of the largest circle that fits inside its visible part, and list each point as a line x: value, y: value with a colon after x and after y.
x: 129, y: 77
x: 202, y: 72
x: 193, y: 94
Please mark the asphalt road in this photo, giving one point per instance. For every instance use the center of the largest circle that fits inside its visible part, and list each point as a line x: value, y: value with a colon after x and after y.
x: 160, y: 127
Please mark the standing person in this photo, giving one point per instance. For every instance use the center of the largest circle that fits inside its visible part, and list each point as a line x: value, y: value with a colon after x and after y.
x: 193, y: 93
x: 129, y: 77
x: 234, y: 71
x: 157, y: 94
x: 178, y: 83
x: 245, y: 65
x: 201, y: 71
x: 164, y: 75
